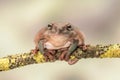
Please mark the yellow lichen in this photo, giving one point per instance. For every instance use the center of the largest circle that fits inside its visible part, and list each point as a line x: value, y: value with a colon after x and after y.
x: 12, y: 60
x: 23, y: 56
x: 4, y: 64
x: 39, y: 57
x: 113, y: 51
x: 72, y: 57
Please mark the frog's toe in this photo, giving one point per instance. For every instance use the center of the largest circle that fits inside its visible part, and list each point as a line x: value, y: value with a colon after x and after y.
x: 62, y: 56
x: 34, y: 51
x: 73, y: 61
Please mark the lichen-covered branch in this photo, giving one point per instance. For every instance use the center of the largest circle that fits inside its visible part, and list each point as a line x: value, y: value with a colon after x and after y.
x: 98, y: 51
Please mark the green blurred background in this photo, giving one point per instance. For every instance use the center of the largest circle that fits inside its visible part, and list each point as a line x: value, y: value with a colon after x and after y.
x: 99, y: 20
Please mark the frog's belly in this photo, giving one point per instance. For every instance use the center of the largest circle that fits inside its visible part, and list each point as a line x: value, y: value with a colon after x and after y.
x: 48, y: 45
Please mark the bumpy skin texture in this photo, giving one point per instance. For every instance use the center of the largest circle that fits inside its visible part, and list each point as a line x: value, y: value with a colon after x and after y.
x: 56, y: 36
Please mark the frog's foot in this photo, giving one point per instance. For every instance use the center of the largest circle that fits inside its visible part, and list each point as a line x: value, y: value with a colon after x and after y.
x: 34, y: 51
x: 72, y: 61
x: 67, y: 57
x: 49, y: 56
x: 84, y: 47
x: 52, y: 52
x: 62, y: 56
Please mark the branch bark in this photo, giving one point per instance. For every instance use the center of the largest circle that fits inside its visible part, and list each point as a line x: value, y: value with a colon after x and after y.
x: 98, y: 51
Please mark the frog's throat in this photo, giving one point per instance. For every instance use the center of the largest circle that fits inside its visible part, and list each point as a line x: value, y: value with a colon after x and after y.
x: 48, y: 45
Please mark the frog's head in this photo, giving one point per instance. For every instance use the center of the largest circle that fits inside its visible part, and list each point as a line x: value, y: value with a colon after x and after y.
x: 60, y: 29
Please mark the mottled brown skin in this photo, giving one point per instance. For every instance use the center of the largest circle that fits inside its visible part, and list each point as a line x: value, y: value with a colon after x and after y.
x: 58, y: 36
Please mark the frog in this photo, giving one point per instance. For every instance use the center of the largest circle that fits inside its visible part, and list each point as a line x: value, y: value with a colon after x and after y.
x: 59, y: 36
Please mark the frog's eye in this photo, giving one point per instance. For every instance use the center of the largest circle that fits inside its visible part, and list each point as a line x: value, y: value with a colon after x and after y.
x: 50, y: 26
x: 69, y: 27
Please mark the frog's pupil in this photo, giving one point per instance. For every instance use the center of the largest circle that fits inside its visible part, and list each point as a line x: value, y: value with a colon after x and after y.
x: 49, y: 26
x: 69, y: 27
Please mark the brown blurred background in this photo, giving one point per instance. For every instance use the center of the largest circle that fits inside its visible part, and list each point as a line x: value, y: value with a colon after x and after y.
x: 99, y: 20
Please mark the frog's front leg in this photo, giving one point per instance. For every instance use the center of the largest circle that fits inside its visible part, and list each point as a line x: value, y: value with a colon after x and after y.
x: 68, y: 51
x: 41, y: 46
x: 71, y: 49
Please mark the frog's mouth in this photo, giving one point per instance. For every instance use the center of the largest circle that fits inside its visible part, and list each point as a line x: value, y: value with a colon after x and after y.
x: 49, y: 45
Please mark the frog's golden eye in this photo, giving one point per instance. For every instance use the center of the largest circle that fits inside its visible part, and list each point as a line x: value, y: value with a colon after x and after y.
x: 69, y: 27
x: 50, y: 26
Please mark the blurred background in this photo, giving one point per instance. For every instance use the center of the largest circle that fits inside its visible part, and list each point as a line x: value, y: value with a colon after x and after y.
x: 99, y: 20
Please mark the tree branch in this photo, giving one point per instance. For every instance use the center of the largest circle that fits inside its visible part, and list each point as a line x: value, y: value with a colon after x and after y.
x: 98, y: 51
